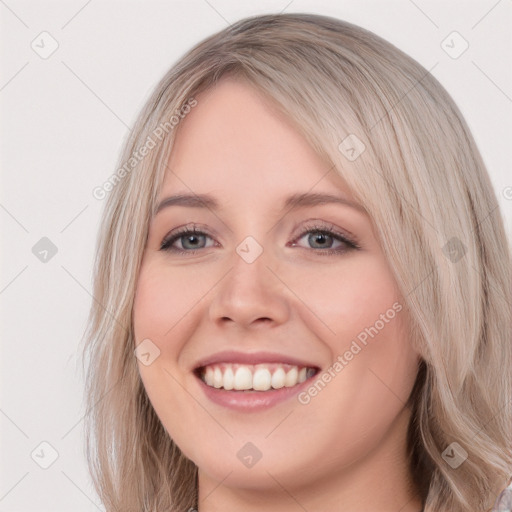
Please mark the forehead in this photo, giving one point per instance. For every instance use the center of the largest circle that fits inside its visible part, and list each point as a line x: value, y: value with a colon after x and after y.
x: 235, y: 142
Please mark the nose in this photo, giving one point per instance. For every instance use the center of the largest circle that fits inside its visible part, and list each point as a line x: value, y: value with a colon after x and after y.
x: 250, y: 295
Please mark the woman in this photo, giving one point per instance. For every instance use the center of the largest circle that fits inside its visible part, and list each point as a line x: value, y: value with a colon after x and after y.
x: 304, y: 253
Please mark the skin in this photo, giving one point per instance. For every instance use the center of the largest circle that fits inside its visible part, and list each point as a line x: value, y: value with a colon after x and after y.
x: 347, y: 445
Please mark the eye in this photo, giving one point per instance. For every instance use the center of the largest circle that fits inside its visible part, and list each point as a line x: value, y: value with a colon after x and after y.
x: 324, y: 237
x: 191, y: 240
x: 321, y: 238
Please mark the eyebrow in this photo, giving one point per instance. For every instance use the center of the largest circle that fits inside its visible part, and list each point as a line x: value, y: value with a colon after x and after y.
x: 293, y: 202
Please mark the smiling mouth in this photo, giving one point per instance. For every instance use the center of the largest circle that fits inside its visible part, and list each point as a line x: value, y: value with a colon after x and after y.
x: 258, y: 377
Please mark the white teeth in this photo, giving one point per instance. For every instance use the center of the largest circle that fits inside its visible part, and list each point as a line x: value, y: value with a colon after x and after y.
x: 261, y: 377
x: 291, y: 377
x: 217, y: 378
x: 243, y: 378
x: 209, y: 376
x: 278, y: 378
x: 229, y: 379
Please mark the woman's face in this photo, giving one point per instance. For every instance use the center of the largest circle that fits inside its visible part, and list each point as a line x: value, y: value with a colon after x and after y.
x: 276, y: 284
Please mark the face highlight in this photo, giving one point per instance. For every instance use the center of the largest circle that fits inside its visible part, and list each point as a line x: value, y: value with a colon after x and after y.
x: 263, y: 282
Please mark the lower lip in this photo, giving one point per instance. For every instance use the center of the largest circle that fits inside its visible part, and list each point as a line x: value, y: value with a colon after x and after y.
x: 248, y: 401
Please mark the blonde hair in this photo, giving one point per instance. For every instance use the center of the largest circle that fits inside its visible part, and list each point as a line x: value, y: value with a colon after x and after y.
x: 424, y: 184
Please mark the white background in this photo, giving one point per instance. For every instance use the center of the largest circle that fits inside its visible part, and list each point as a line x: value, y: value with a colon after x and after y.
x: 63, y: 121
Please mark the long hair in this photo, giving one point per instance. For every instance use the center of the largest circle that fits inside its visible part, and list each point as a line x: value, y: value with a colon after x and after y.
x: 402, y: 146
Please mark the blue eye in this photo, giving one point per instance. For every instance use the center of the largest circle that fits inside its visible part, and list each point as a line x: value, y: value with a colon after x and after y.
x: 323, y: 237
x: 324, y: 240
x: 320, y: 237
x: 191, y: 240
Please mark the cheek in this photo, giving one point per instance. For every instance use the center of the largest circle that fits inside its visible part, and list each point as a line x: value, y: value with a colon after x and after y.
x: 162, y: 312
x: 164, y: 297
x: 350, y: 297
x: 167, y: 310
x: 367, y: 326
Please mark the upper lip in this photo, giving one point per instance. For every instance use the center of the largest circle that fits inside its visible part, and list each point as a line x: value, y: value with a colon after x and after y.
x: 231, y: 356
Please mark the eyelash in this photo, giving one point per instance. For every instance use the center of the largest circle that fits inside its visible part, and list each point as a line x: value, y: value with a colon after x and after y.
x: 323, y: 229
